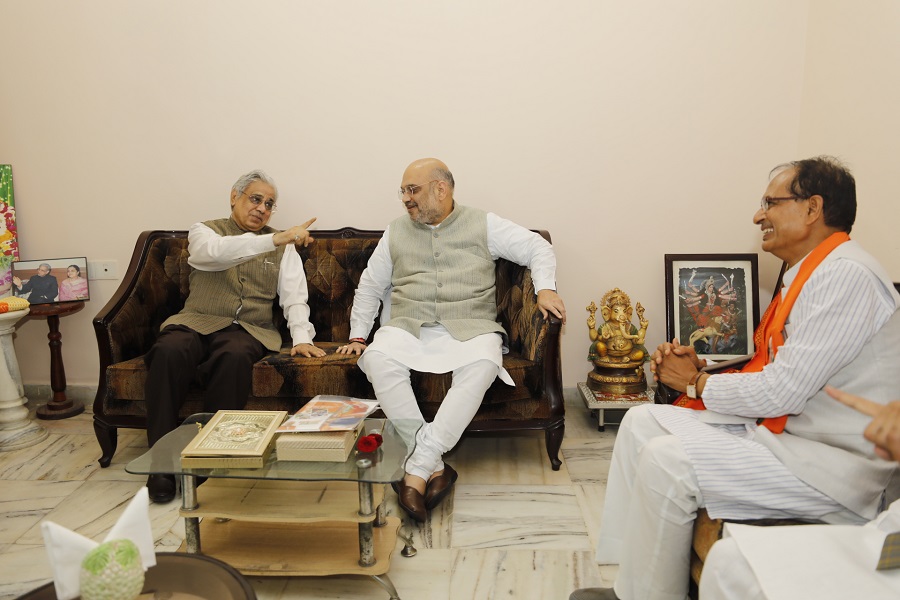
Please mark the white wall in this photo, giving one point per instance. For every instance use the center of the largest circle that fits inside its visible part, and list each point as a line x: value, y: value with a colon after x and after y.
x: 627, y: 129
x: 851, y: 108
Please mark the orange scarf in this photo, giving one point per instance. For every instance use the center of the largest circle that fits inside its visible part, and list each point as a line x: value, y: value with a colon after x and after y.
x: 769, y: 336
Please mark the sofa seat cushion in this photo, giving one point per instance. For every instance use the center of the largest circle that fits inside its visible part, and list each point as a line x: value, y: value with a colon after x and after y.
x: 296, y: 379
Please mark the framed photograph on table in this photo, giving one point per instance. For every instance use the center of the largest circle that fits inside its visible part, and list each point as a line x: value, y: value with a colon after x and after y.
x: 51, y: 281
x: 712, y: 303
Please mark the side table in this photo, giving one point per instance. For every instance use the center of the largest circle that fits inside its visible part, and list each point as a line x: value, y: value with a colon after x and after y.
x: 17, y: 429
x: 59, y: 407
x: 598, y: 402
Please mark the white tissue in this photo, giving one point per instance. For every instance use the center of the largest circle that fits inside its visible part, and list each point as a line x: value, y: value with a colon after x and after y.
x: 66, y: 549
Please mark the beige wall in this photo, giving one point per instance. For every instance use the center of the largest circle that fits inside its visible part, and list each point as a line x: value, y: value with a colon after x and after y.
x: 627, y: 129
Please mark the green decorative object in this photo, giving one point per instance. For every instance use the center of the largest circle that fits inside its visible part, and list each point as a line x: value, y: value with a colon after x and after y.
x: 112, y: 571
x: 9, y: 246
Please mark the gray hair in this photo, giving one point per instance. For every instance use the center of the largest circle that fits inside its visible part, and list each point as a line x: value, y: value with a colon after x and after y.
x: 442, y: 174
x: 49, y: 268
x: 247, y: 178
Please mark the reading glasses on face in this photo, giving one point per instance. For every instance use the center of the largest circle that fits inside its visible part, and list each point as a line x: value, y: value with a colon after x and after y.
x: 257, y: 199
x: 768, y: 202
x: 412, y: 189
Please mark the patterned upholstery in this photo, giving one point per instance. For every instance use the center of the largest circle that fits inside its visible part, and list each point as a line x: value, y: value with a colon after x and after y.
x: 156, y: 286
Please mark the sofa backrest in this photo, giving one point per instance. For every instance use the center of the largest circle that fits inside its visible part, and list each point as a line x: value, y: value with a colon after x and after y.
x: 157, y: 284
x: 333, y: 264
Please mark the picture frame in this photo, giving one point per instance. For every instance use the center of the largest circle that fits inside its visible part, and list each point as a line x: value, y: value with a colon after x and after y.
x: 712, y: 303
x: 51, y: 280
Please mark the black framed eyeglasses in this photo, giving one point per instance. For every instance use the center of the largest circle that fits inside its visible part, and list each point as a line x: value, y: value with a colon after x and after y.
x: 257, y: 199
x: 768, y: 202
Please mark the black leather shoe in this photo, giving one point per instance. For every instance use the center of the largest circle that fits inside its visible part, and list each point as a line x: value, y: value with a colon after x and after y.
x: 438, y: 488
x: 594, y: 594
x: 411, y: 501
x: 161, y: 488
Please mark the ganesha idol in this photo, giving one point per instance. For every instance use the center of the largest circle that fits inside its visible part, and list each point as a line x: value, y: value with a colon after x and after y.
x: 617, y: 346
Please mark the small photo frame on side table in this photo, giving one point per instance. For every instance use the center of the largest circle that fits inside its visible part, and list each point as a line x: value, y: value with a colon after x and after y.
x: 712, y: 303
x: 51, y: 281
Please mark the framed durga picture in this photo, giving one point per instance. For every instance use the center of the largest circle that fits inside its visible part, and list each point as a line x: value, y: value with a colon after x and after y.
x: 712, y: 303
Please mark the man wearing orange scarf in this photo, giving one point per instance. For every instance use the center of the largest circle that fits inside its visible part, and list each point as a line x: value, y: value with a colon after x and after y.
x: 767, y: 442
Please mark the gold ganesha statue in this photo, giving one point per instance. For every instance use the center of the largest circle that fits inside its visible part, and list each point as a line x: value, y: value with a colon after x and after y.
x: 617, y: 347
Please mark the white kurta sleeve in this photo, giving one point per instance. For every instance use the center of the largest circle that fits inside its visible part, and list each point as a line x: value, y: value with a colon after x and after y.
x: 523, y: 247
x: 373, y: 289
x: 841, y: 307
x: 210, y: 251
x: 293, y: 296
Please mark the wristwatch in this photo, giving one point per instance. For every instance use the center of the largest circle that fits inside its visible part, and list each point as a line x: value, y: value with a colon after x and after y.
x: 692, y: 385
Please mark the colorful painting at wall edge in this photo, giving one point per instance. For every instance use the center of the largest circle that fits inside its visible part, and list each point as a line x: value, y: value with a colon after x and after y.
x: 9, y: 246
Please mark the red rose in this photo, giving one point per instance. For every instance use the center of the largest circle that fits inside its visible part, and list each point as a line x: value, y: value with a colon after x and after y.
x: 378, y: 438
x: 367, y: 443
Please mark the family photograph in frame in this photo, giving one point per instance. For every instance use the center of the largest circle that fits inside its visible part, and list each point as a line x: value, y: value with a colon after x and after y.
x: 51, y: 281
x: 712, y: 303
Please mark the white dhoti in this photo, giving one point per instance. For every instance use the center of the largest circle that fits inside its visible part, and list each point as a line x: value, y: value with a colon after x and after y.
x: 475, y: 364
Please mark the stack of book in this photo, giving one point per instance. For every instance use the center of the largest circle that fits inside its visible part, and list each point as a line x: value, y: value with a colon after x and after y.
x: 235, y: 439
x: 325, y: 429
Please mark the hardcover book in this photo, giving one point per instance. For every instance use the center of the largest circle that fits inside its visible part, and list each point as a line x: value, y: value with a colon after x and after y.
x: 325, y: 446
x: 233, y: 438
x: 329, y: 413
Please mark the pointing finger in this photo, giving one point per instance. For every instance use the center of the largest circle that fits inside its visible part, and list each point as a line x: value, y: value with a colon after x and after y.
x: 866, y: 407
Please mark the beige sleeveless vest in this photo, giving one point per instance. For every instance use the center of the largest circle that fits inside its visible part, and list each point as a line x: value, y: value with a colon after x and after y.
x: 243, y: 294
x: 444, y: 275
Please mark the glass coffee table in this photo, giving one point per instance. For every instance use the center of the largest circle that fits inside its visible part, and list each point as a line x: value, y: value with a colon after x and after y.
x: 291, y: 518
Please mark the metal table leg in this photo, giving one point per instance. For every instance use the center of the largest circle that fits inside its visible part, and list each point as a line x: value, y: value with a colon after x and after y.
x: 191, y: 524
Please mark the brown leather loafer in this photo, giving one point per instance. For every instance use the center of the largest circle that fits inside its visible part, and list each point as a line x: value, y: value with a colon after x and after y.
x: 411, y: 501
x: 438, y: 488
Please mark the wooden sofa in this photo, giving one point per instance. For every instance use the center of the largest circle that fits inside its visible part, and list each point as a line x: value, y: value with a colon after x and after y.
x: 156, y: 285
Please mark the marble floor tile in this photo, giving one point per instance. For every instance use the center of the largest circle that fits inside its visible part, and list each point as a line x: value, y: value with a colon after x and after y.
x: 506, y: 516
x: 519, y: 458
x: 82, y: 424
x: 590, y: 500
x: 588, y: 459
x: 522, y: 574
x: 116, y: 469
x: 61, y: 457
x: 23, y: 569
x: 95, y: 507
x: 24, y: 503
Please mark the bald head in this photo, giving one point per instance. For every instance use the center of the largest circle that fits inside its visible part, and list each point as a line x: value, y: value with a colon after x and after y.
x: 435, y: 169
x: 428, y: 185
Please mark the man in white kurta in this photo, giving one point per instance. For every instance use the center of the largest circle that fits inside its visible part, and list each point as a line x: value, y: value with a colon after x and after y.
x: 843, y: 329
x: 434, y: 273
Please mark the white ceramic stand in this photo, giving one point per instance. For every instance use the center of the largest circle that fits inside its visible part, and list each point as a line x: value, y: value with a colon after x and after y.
x: 17, y: 429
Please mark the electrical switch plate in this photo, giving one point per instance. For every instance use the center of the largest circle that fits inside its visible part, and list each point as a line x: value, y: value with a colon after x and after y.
x: 103, y: 269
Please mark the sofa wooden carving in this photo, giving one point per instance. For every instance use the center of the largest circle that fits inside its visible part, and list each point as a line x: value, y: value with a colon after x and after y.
x: 156, y: 286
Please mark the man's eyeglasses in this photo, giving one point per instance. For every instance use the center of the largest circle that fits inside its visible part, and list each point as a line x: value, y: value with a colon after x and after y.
x: 768, y: 202
x: 412, y: 189
x: 257, y: 199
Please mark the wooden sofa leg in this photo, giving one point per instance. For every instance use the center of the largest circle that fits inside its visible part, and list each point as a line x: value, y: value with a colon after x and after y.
x: 108, y: 438
x: 554, y: 437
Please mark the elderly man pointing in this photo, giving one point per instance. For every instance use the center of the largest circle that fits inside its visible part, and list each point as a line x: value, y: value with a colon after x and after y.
x: 240, y: 265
